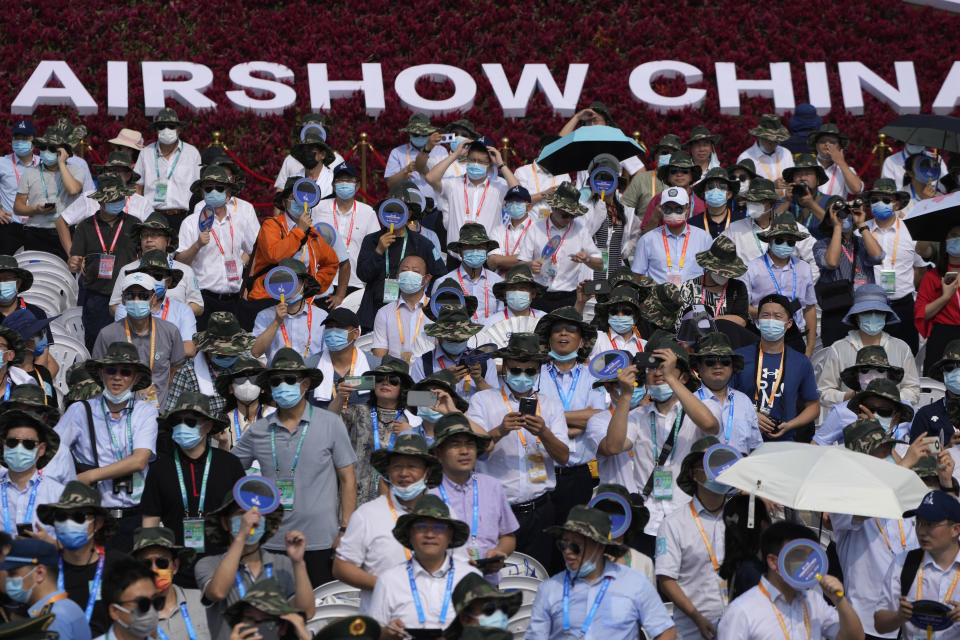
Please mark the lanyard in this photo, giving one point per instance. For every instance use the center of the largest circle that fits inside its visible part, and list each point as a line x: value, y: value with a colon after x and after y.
x: 403, y: 252
x: 723, y: 296
x: 156, y: 154
x: 166, y: 309
x: 94, y: 586
x: 43, y: 181
x: 153, y: 338
x: 393, y: 512
x: 776, y: 283
x: 466, y: 201
x: 416, y: 331
x: 31, y: 503
x: 903, y: 538
x: 776, y: 382
x: 286, y: 338
x: 896, y: 245
x: 486, y: 293
x: 783, y: 625
x: 203, y: 483
x: 774, y: 177
x: 953, y: 583
x: 666, y: 248
x: 336, y: 216
x: 306, y: 255
x: 506, y: 237
x: 703, y: 534
x: 653, y: 435
x: 296, y: 455
x: 353, y: 364
x: 233, y: 246
x: 267, y: 569
x: 556, y: 251
x: 103, y: 245
x: 33, y: 163
x: 613, y: 338
x: 416, y: 594
x: 565, y: 398
x: 536, y: 182
x: 729, y: 425
x: 186, y: 621
x: 593, y: 609
x: 375, y: 419
x: 6, y: 390
x: 113, y: 438
x: 475, y: 523
x: 833, y: 177
x: 849, y: 255
x: 523, y: 440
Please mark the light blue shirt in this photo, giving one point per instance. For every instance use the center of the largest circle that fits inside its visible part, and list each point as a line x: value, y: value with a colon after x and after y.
x: 650, y: 259
x: 48, y: 492
x: 743, y: 431
x: 630, y: 601
x: 760, y: 283
x: 10, y: 175
x: 583, y: 448
x: 300, y: 328
x: 179, y: 315
x: 69, y: 619
x: 481, y: 289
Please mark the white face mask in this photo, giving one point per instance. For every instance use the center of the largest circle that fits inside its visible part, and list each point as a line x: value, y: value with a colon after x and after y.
x: 167, y: 136
x: 246, y: 392
x: 756, y: 209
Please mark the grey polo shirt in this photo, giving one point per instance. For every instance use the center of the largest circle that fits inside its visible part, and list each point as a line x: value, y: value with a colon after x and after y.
x: 168, y: 353
x: 32, y: 183
x: 326, y: 448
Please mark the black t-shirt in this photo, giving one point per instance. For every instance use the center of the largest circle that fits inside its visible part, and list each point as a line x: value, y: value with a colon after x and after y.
x: 37, y: 312
x: 86, y: 243
x: 77, y: 581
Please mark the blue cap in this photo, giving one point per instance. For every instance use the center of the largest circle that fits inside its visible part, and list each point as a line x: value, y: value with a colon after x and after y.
x: 518, y: 192
x: 26, y: 551
x: 26, y: 324
x: 870, y: 297
x: 345, y: 168
x: 24, y: 128
x: 935, y: 507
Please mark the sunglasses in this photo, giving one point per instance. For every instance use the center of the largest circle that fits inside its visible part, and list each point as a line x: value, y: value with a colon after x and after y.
x: 489, y: 608
x: 142, y: 604
x: 159, y: 276
x: 678, y: 170
x: 713, y: 361
x: 573, y: 547
x: 190, y: 421
x: 213, y: 187
x: 516, y: 371
x: 28, y: 444
x: 77, y: 516
x: 430, y: 527
x: 621, y: 311
x: 244, y: 380
x: 123, y: 372
x: 391, y: 379
x: 883, y: 412
x: 743, y: 177
x: 716, y: 185
x: 950, y: 366
x: 787, y: 241
x: 276, y: 381
x: 137, y: 295
x: 159, y: 563
x: 569, y: 328
x: 44, y: 147
x: 884, y: 200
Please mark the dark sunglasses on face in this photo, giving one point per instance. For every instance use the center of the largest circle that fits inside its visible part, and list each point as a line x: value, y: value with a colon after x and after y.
x: 569, y: 328
x: 44, y: 147
x: 574, y: 547
x: 159, y: 563
x: 77, y: 516
x: 676, y: 170
x: 189, y: 421
x: 672, y: 211
x: 391, y: 379
x: 516, y: 371
x: 743, y: 177
x: 716, y: 185
x: 142, y: 604
x: 276, y: 381
x: 884, y: 200
x: 213, y: 187
x: 28, y: 444
x: 621, y: 311
x: 715, y: 361
x: 123, y: 372
x: 137, y: 295
x: 950, y: 366
x: 787, y: 241
x: 490, y: 607
x: 883, y: 412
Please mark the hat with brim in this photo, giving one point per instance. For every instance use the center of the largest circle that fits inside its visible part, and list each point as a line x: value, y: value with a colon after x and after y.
x: 470, y: 303
x: 413, y: 445
x: 223, y: 336
x: 353, y: 627
x: 622, y: 295
x: 870, y: 297
x: 454, y: 424
x: 679, y: 160
x: 118, y: 160
x: 806, y: 161
x: 692, y: 460
x: 717, y: 173
x: 870, y: 357
x: 887, y: 187
x: 63, y: 134
x: 567, y: 199
x: 670, y: 143
x: 716, y: 344
x: 217, y: 536
x: 722, y: 259
x: 624, y: 276
x: 156, y: 260
x: 699, y: 133
x: 216, y: 174
x: 663, y: 306
x: 110, y: 188
x: 863, y: 436
x: 77, y: 496
x: 523, y: 347
x: 35, y: 628
x: 146, y: 537
x: 195, y: 404
x: 592, y: 524
x: 390, y: 365
x: 155, y: 222
x: 519, y: 274
x: 472, y: 235
x: 287, y: 360
x: 465, y: 125
x: 473, y: 587
x: 445, y: 380
x: 599, y: 107
x: 244, y: 367
x: 128, y: 138
x: 32, y: 397
x: 13, y: 418
x: 783, y: 226
x: 313, y: 139
x: 886, y: 389
x: 664, y: 340
x: 760, y: 190
x: 567, y: 315
x: 119, y: 353
x: 167, y: 117
x: 607, y: 493
x: 453, y: 324
x: 418, y: 125
x: 745, y: 165
x: 951, y: 354
x: 770, y: 128
x: 9, y: 263
x: 430, y: 507
x: 265, y: 595
x: 827, y: 129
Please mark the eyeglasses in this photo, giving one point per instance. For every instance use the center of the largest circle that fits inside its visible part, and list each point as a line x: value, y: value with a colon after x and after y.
x: 123, y: 372
x: 741, y: 177
x: 679, y: 170
x: 390, y: 378
x: 28, y: 444
x: 926, y: 524
x: 142, y: 604
x: 787, y: 241
x: 573, y: 547
x: 189, y: 421
x: 159, y: 563
x: 672, y: 211
x: 276, y: 381
x: 569, y: 328
x: 884, y: 200
x: 713, y: 361
x: 430, y: 527
x: 213, y: 187
x: 884, y: 412
x: 77, y: 516
x: 137, y: 295
x: 489, y: 608
x: 516, y: 371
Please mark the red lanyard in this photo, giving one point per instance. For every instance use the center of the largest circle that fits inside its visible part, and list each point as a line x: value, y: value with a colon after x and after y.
x: 166, y: 309
x: 220, y: 246
x: 286, y: 338
x: 13, y: 159
x: 666, y: 248
x: 103, y: 245
x: 703, y: 297
x: 613, y: 338
x: 486, y: 295
x: 506, y: 237
x: 336, y: 214
x: 506, y: 312
x: 466, y: 200
x: 556, y: 251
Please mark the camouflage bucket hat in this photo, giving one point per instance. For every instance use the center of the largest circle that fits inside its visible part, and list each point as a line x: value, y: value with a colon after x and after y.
x: 442, y: 379
x: 216, y: 174
x: 602, y: 109
x: 523, y: 347
x: 567, y: 315
x: 625, y: 277
x: 121, y: 353
x: 926, y: 467
x: 679, y: 160
x: 287, y: 360
x: 29, y: 628
x: 156, y: 222
x: 466, y: 125
x: 31, y: 397
x: 429, y: 506
x: 567, y: 199
x: 82, y: 386
x: 473, y: 587
x: 691, y: 461
x: 470, y: 303
x: 699, y: 133
x: 167, y: 117
x: 592, y: 524
x: 313, y: 138
x: 418, y: 125
x: 13, y: 418
x: 413, y: 445
x: 887, y: 187
x: 15, y: 343
x: 721, y: 258
x: 770, y: 128
x: 519, y: 274
x: 265, y: 595
x: 156, y: 260
x: 223, y: 336
x: 146, y: 537
x: 670, y: 143
x: 716, y: 344
x: 806, y: 161
x: 745, y: 165
x: 350, y: 628
x: 453, y: 324
x: 618, y: 296
x: 118, y: 160
x: 196, y: 404
x: 110, y: 188
x: 63, y: 134
x: 244, y: 367
x: 863, y: 436
x: 760, y: 189
x: 870, y: 357
x: 664, y: 340
x: 9, y: 263
x: 886, y: 389
x: 217, y: 536
x: 473, y: 235
x: 663, y: 307
x: 783, y: 226
x: 454, y: 424
x: 390, y: 365
x: 951, y: 353
x: 827, y: 129
x: 717, y: 173
x: 77, y: 496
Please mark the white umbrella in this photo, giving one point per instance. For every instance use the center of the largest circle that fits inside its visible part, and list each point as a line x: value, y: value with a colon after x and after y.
x: 831, y: 479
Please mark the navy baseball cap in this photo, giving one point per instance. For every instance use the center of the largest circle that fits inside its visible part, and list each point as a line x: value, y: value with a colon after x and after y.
x: 26, y: 324
x: 936, y: 506
x: 26, y: 551
x: 518, y: 192
x: 345, y: 168
x: 24, y: 128
x: 343, y: 317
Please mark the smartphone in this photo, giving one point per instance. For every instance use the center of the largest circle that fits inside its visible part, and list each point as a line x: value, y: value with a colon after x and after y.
x: 421, y: 398
x: 528, y: 406
x: 361, y: 383
x: 949, y: 277
x: 596, y: 287
x: 447, y: 138
x: 49, y: 205
x: 268, y: 629
x: 23, y: 528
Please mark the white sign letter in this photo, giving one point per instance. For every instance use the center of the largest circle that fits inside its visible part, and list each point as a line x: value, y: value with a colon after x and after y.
x: 949, y: 94
x: 643, y: 77
x: 818, y: 87
x: 118, y: 88
x: 281, y: 95
x: 464, y: 89
x: 779, y: 87
x: 323, y: 90
x: 188, y: 92
x: 855, y: 76
x: 514, y: 104
x: 36, y: 92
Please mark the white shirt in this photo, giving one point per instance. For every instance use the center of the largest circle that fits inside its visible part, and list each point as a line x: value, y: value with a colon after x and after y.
x: 769, y: 165
x: 176, y: 313
x: 610, y: 339
x: 530, y: 320
x: 743, y: 432
x: 481, y: 289
x: 48, y: 492
x: 403, y: 155
x: 836, y: 184
x: 509, y: 458
x: 405, y: 336
x: 236, y: 232
x: 535, y: 179
x: 899, y: 255
x: 752, y: 616
x: 936, y: 583
x: 187, y: 290
x: 575, y: 238
x: 462, y: 201
x: 619, y: 468
x: 392, y: 597
x: 749, y: 247
x: 185, y: 173
x: 351, y: 227
x: 82, y: 208
x: 291, y: 168
x: 511, y: 236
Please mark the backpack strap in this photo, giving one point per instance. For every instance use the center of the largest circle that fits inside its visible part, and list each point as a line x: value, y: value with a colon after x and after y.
x: 909, y: 571
x: 427, y: 361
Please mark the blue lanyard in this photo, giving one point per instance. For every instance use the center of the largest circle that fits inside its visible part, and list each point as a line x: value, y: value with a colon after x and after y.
x: 475, y: 525
x: 566, y: 398
x: 28, y: 516
x: 729, y: 426
x: 186, y: 621
x: 6, y: 391
x: 653, y: 435
x: 296, y: 455
x: 46, y: 195
x: 593, y: 609
x: 403, y: 252
x: 416, y: 594
x: 236, y: 424
x: 162, y: 635
x: 203, y: 483
x: 156, y: 154
x: 118, y: 450
x: 267, y: 569
x: 376, y: 429
x: 766, y: 261
x: 94, y: 588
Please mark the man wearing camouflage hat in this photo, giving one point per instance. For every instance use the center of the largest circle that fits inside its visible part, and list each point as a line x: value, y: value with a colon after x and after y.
x: 806, y: 202
x: 480, y: 604
x: 717, y: 189
x: 829, y: 145
x: 453, y: 331
x: 474, y: 278
x: 702, y: 146
x: 265, y: 610
x: 118, y: 165
x: 517, y: 291
x: 767, y: 154
x: 403, y: 160
x: 645, y: 185
x: 167, y: 168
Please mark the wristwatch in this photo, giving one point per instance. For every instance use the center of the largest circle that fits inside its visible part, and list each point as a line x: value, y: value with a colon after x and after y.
x: 499, y: 166
x: 343, y: 529
x: 860, y: 229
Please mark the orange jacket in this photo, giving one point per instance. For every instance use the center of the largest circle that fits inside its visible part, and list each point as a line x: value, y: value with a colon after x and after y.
x: 276, y: 242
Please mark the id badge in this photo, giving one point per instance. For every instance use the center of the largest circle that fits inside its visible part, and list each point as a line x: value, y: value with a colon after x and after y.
x: 724, y: 591
x: 391, y: 290
x: 675, y: 278
x: 663, y: 484
x: 137, y: 486
x: 161, y: 193
x: 888, y: 280
x: 550, y: 269
x: 193, y: 534
x: 407, y: 356
x: 148, y: 395
x: 105, y: 268
x: 286, y: 493
x: 536, y: 468
x: 100, y: 591
x: 233, y: 274
x: 606, y: 259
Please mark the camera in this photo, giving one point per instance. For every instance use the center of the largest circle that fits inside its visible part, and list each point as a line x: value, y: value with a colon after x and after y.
x: 123, y: 483
x: 800, y: 190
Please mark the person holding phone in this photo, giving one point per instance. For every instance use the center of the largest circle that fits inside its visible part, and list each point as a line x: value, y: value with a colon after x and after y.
x: 453, y: 331
x: 442, y: 385
x: 936, y: 310
x: 264, y: 613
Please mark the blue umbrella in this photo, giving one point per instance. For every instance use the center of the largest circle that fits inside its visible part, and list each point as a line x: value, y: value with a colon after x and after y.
x: 574, y: 151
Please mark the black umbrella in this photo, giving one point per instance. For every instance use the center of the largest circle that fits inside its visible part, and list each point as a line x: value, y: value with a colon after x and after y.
x: 931, y: 219
x: 574, y: 151
x: 937, y: 132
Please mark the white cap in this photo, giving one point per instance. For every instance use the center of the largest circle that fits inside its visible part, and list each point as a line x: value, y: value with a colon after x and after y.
x: 138, y: 279
x: 675, y: 195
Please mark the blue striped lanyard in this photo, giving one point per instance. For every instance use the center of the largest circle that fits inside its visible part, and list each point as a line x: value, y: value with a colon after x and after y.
x: 766, y: 261
x: 416, y: 594
x: 566, y: 398
x: 118, y: 450
x: 156, y: 154
x: 593, y: 609
x: 376, y: 429
x: 28, y: 516
x: 203, y: 484
x: 729, y: 425
x: 94, y: 587
x: 475, y: 525
x: 296, y: 455
x: 241, y: 589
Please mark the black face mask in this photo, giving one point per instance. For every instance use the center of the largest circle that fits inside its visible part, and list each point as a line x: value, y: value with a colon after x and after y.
x: 306, y: 156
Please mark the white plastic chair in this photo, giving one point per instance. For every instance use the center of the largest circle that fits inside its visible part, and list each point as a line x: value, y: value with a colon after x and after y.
x: 352, y: 301
x: 526, y: 585
x: 335, y: 592
x: 47, y: 301
x: 364, y: 342
x: 327, y: 613
x: 58, y: 293
x: 31, y: 257
x: 518, y: 626
x: 930, y: 391
x: 63, y: 345
x: 54, y: 276
x: 70, y: 323
x: 520, y: 564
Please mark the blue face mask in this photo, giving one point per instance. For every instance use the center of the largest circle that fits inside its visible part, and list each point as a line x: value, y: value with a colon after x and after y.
x: 295, y: 210
x: 872, y: 322
x: 516, y: 210
x: 410, y: 281
x: 160, y: 289
x: 72, y: 535
x: 621, y: 324
x: 885, y: 422
x: 186, y: 437
x: 847, y: 225
x: 419, y: 141
x: 216, y: 198
x: 453, y: 348
x: 661, y: 392
x: 716, y: 487
x: 782, y: 250
x: 336, y: 339
x: 881, y: 211
x: 637, y: 396
x: 498, y: 619
x: 137, y: 308
x: 953, y: 246
x: 428, y: 414
x: 224, y: 362
x: 120, y: 398
x: 295, y: 298
x: 459, y: 140
x: 521, y: 383
x: 409, y: 492
x: 48, y: 158
x: 345, y: 190
x: 771, y: 329
x: 951, y: 379
x: 8, y: 290
x: 22, y: 147
x: 715, y: 197
x: 115, y: 208
x: 14, y: 588
x: 40, y: 344
x: 476, y: 171
x: 586, y: 568
x: 663, y: 160
x: 474, y: 258
x: 18, y: 458
x: 563, y: 358
x: 258, y: 531
x: 286, y: 395
x: 518, y: 300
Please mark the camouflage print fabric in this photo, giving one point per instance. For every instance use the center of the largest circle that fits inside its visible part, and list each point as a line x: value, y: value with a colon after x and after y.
x: 863, y: 436
x: 783, y: 226
x: 926, y: 467
x: 82, y: 386
x: 118, y: 160
x: 265, y: 595
x: 472, y: 588
x: 165, y: 117
x: 592, y: 524
x: 662, y: 307
x: 454, y: 424
x: 156, y: 260
x: 519, y: 274
x: 350, y: 628
x: 286, y: 360
x: 806, y: 161
x: 146, y: 537
x: 224, y: 336
x: 77, y: 495
x: 691, y: 461
x: 409, y: 444
x: 110, y: 189
x: 197, y: 404
x: 567, y: 199
x: 882, y: 388
x: 715, y: 344
x: 418, y: 125
x: 453, y: 324
x: 668, y: 144
x: 123, y: 353
x: 429, y: 506
x: 9, y: 263
x: 624, y: 276
x: 770, y: 128
x: 680, y: 160
x: 63, y: 133
x: 13, y: 418
x: 870, y: 357
x: 665, y: 340
x: 473, y: 235
x: 622, y: 295
x: 396, y: 366
x: 721, y: 258
x: 31, y: 397
x: 827, y: 129
x: 699, y: 133
x: 217, y: 536
x: 717, y: 173
x: 951, y: 353
x: 523, y: 347
x: 887, y: 187
x: 760, y: 190
x: 157, y: 222
x: 745, y: 165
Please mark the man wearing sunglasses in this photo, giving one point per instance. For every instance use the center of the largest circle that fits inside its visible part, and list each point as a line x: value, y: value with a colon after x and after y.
x: 667, y: 253
x: 131, y: 597
x: 480, y: 604
x: 31, y: 580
